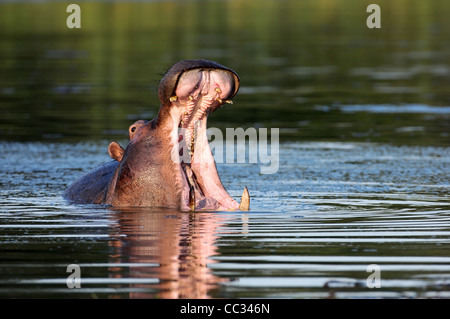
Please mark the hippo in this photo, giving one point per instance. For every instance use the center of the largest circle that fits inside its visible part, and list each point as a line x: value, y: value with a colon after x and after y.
x: 168, y: 162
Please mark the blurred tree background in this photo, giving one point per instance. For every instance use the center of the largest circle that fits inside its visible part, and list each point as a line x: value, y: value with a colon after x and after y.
x: 310, y: 67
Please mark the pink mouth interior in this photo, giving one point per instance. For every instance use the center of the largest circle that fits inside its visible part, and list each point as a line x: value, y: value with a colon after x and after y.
x: 200, y: 92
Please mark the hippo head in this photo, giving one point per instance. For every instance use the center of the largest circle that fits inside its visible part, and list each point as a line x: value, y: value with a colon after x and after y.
x: 168, y: 161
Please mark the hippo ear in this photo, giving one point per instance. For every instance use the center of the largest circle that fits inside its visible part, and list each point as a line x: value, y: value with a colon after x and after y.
x: 115, y: 151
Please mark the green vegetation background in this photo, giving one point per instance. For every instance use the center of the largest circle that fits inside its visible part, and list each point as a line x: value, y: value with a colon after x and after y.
x: 299, y: 61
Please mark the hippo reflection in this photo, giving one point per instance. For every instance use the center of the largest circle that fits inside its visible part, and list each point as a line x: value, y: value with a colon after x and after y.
x: 177, y: 249
x: 168, y: 161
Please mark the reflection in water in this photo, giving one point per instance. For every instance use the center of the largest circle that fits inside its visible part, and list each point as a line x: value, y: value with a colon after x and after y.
x: 174, y: 247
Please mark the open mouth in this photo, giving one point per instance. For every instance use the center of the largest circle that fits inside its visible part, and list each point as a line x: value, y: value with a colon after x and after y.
x: 198, y: 93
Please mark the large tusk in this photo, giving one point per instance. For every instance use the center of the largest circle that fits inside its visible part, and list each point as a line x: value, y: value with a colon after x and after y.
x: 245, y: 200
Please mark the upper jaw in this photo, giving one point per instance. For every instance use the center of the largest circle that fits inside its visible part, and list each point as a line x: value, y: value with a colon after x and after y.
x: 199, y: 92
x: 171, y: 79
x: 191, y: 89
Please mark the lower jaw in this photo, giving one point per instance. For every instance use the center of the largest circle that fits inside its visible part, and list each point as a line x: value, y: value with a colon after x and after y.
x: 203, y: 182
x: 201, y: 198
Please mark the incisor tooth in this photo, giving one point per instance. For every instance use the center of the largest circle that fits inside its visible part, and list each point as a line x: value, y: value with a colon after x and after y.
x: 173, y: 98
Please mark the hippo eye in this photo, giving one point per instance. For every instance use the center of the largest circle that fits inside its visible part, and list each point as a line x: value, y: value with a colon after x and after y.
x: 133, y: 129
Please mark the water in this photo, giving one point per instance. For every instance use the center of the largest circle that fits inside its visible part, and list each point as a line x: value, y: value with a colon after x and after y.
x: 364, y: 159
x: 332, y: 210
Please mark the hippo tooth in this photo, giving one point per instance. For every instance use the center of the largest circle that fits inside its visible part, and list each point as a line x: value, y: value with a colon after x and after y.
x: 173, y: 98
x: 228, y: 101
x: 219, y: 100
x: 190, y: 105
x: 245, y: 200
x: 192, y: 198
x: 218, y: 90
